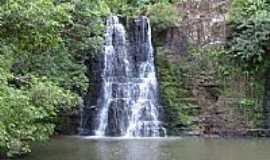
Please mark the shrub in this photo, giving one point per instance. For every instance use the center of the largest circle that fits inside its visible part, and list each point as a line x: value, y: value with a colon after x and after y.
x: 163, y: 16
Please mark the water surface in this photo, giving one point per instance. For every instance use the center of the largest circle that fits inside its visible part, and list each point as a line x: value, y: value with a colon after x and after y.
x: 76, y: 148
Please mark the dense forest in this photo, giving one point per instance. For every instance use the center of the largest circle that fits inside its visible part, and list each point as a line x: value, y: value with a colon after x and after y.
x: 47, y: 46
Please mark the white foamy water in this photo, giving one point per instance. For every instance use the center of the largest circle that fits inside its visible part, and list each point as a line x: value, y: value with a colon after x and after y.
x: 129, y: 100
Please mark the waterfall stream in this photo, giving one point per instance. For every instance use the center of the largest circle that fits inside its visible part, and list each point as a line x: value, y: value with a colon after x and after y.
x: 129, y: 98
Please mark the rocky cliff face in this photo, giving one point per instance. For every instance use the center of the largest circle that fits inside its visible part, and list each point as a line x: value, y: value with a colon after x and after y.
x: 89, y: 109
x: 203, y: 25
x: 69, y: 122
x: 218, y: 115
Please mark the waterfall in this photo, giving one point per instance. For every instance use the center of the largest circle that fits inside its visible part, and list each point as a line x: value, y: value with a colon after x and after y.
x: 128, y: 101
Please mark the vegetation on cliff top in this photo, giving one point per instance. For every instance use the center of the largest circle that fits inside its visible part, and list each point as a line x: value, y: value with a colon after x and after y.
x: 249, y: 42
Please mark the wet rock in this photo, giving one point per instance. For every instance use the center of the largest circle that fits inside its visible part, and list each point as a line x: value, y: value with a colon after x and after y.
x: 68, y: 122
x: 117, y: 118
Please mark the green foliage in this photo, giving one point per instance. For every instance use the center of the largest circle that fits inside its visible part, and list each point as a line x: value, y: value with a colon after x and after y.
x: 25, y: 22
x: 164, y: 16
x: 179, y: 114
x: 177, y: 80
x: 84, y: 35
x: 125, y: 7
x: 252, y: 110
x: 247, y: 103
x: 249, y: 43
x: 162, y: 13
x: 28, y: 114
x: 234, y: 83
x: 248, y: 48
x: 35, y: 30
x: 31, y: 44
x: 139, y: 7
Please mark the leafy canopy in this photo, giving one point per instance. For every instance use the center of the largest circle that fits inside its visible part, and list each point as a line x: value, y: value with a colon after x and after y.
x: 249, y: 43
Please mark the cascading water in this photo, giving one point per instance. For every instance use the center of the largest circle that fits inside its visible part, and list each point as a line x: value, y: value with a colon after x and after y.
x: 129, y: 98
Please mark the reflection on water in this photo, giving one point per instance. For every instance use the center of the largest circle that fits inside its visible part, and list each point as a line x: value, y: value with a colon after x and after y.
x: 72, y: 148
x: 130, y: 149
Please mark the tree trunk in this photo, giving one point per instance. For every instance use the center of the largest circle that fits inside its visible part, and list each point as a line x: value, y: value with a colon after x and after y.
x: 266, y: 102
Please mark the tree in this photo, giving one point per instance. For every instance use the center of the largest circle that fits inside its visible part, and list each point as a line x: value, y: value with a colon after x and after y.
x: 248, y: 45
x: 29, y: 101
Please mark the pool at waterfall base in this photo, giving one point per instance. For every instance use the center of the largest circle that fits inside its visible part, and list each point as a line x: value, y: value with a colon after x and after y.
x: 170, y: 148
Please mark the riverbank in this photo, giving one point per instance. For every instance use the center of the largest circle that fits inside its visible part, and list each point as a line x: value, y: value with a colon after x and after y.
x: 249, y: 133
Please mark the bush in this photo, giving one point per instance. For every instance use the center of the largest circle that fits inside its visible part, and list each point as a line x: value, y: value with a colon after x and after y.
x: 164, y: 16
x: 30, y: 93
x: 249, y: 42
x: 28, y: 114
